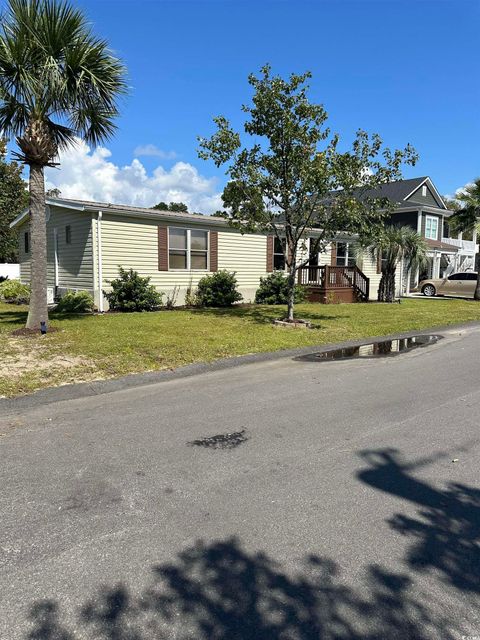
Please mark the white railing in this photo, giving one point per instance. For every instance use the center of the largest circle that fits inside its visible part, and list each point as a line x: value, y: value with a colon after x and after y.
x: 454, y: 242
x: 465, y: 245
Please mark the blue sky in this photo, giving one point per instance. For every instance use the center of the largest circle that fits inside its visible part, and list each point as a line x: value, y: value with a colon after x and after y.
x: 408, y: 70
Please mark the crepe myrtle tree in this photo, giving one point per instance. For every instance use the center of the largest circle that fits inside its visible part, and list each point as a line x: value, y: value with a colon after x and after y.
x: 291, y: 177
x: 58, y: 82
x: 467, y: 216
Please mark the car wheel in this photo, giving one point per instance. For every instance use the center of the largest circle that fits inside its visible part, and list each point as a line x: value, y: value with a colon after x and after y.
x: 429, y: 290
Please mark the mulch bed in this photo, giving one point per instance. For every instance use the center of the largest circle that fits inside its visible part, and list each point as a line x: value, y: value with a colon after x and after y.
x: 29, y: 333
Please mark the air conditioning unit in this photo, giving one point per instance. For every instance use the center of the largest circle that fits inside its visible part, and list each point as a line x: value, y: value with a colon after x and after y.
x: 50, y: 295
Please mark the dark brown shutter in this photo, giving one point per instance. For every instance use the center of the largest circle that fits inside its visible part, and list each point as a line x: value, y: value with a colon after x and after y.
x: 379, y: 261
x: 213, y: 250
x: 270, y: 241
x: 333, y: 260
x: 162, y: 248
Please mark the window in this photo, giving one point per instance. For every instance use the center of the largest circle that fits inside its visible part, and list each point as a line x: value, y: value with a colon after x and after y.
x: 68, y: 234
x: 431, y: 227
x: 457, y: 276
x: 279, y: 254
x: 187, y: 249
x: 471, y: 276
x: 424, y: 191
x: 26, y: 240
x: 345, y: 255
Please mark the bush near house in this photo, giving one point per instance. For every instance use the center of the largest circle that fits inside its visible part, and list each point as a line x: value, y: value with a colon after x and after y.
x: 273, y: 289
x: 132, y: 292
x: 75, y: 302
x: 218, y: 290
x: 14, y: 292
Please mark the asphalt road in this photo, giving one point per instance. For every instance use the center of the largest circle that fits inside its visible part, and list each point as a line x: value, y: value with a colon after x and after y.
x: 348, y: 509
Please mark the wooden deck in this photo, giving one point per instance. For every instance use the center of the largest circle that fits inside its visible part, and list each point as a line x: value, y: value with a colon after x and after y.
x: 328, y: 284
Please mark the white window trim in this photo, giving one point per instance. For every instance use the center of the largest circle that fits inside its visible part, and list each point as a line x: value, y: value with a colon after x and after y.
x: 424, y: 190
x: 275, y: 253
x: 349, y: 253
x: 188, y: 249
x: 434, y: 220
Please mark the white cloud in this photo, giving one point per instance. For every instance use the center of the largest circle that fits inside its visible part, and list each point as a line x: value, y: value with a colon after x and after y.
x: 153, y: 150
x: 89, y: 174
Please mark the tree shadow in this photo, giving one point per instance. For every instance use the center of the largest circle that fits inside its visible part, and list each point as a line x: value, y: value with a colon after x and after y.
x: 446, y: 532
x: 15, y: 316
x: 220, y: 591
x: 265, y: 314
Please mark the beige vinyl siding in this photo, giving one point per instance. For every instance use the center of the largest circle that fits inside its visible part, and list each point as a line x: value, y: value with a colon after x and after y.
x: 133, y: 243
x: 325, y: 257
x: 75, y: 260
x: 368, y: 266
x: 24, y: 258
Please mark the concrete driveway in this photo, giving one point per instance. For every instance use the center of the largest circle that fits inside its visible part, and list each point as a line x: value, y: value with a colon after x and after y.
x: 346, y: 505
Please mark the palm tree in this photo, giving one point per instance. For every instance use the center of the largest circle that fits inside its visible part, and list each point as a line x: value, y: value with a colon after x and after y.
x: 58, y: 82
x: 468, y: 216
x: 392, y: 246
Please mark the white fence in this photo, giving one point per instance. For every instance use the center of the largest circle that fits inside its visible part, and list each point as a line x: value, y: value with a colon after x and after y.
x: 11, y: 271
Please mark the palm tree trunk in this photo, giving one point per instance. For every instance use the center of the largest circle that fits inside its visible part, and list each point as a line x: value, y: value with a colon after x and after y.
x: 38, y: 310
x: 476, y: 295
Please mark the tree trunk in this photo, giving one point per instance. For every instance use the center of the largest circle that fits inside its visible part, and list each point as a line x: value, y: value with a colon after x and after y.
x: 476, y: 295
x: 38, y: 311
x: 291, y: 292
x: 386, y: 288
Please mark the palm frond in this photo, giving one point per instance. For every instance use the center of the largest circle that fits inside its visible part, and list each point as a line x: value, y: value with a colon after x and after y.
x: 54, y: 70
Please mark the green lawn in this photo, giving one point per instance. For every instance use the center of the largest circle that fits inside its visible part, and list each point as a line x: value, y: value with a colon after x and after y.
x: 91, y: 347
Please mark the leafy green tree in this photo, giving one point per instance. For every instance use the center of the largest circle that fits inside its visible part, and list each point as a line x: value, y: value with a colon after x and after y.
x: 178, y: 207
x: 58, y: 81
x: 173, y: 206
x: 390, y: 246
x: 53, y: 193
x: 13, y: 199
x: 161, y: 206
x: 467, y: 217
x: 291, y: 176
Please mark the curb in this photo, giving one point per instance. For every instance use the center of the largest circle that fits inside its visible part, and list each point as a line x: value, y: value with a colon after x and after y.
x: 131, y: 381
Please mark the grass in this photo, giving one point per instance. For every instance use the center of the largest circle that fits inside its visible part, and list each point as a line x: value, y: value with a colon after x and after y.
x: 91, y: 347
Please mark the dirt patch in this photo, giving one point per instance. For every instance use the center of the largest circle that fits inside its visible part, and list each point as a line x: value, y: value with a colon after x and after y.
x: 24, y: 357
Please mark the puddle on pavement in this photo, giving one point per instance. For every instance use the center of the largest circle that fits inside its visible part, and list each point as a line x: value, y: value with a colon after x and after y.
x: 373, y: 349
x: 221, y: 441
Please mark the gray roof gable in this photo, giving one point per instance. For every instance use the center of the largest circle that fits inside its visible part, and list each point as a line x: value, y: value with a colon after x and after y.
x: 403, y: 191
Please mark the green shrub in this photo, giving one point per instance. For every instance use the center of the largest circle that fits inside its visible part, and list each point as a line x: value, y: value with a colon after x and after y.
x: 15, y: 292
x: 132, y: 292
x: 218, y: 290
x: 75, y: 302
x: 273, y: 290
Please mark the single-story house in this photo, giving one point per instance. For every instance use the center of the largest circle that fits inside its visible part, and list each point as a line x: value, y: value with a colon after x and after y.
x: 88, y: 241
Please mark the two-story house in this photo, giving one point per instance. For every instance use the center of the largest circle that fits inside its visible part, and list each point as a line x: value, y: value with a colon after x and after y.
x: 419, y: 205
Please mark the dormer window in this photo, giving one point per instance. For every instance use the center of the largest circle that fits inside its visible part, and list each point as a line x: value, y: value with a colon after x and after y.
x: 424, y: 191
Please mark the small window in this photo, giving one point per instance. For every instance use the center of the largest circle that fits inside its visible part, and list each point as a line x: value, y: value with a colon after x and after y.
x: 345, y: 255
x: 279, y: 247
x: 68, y: 234
x: 431, y: 227
x: 424, y: 191
x: 187, y: 249
x: 26, y: 240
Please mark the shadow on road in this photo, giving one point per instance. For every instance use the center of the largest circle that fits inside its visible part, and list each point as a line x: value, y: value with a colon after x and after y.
x: 446, y: 531
x: 220, y: 591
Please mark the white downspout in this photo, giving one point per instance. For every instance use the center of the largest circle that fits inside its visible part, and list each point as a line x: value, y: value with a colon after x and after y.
x: 99, y: 258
